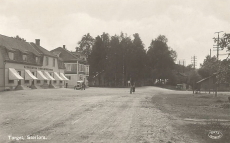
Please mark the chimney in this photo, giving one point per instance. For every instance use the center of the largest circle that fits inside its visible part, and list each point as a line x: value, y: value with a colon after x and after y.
x: 63, y: 46
x: 37, y: 41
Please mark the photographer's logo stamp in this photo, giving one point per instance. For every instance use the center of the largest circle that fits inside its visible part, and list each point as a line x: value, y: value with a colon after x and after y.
x: 215, y: 135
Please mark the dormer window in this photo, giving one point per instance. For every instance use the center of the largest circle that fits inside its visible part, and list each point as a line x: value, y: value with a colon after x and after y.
x: 36, y: 59
x: 53, y: 62
x: 47, y: 61
x: 24, y: 57
x: 11, y: 55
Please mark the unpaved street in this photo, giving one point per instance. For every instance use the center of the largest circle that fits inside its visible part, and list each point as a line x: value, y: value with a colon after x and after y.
x: 94, y: 115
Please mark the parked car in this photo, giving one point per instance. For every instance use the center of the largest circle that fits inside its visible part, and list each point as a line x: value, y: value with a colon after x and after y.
x: 78, y: 86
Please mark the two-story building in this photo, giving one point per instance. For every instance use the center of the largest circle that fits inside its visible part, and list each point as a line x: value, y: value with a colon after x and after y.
x: 76, y: 69
x: 54, y: 67
x: 22, y: 66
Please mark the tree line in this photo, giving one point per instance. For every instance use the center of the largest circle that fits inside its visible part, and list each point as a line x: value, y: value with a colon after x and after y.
x: 115, y: 60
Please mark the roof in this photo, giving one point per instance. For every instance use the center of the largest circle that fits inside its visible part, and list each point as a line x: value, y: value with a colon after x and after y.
x: 78, y: 54
x: 181, y: 74
x: 13, y: 44
x: 4, y: 53
x: 66, y: 55
x: 42, y: 50
x: 204, y: 79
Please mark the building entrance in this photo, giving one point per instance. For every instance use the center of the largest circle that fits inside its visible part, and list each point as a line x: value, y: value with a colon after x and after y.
x: 19, y: 81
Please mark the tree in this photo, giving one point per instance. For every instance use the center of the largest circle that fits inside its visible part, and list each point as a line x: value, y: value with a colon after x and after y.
x: 113, y: 70
x: 96, y: 60
x: 138, y: 59
x: 209, y: 66
x: 85, y: 45
x: 193, y: 78
x: 161, y: 58
x: 224, y: 41
x: 19, y: 38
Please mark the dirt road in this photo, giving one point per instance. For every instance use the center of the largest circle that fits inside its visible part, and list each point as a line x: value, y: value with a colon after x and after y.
x: 94, y: 115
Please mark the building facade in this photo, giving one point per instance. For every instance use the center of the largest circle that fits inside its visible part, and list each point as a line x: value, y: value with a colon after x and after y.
x: 76, y: 68
x: 24, y: 66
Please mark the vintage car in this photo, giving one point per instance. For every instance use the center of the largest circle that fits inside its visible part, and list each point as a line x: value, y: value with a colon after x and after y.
x: 78, y: 86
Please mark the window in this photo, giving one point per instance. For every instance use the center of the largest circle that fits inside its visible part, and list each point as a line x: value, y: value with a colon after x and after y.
x: 68, y: 67
x: 54, y: 81
x: 87, y: 69
x: 60, y: 81
x: 47, y: 61
x: 53, y: 62
x: 38, y: 81
x: 36, y: 59
x: 80, y: 67
x: 24, y: 57
x: 45, y: 81
x: 27, y: 81
x: 11, y: 55
x: 19, y: 72
x: 11, y: 81
x: 69, y: 77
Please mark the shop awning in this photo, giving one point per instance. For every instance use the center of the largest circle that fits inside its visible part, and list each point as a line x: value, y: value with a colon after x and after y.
x: 56, y: 76
x: 29, y: 75
x: 63, y: 76
x: 41, y: 76
x: 13, y: 74
x: 48, y: 76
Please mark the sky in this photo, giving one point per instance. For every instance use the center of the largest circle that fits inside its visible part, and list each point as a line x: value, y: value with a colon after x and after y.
x: 189, y: 25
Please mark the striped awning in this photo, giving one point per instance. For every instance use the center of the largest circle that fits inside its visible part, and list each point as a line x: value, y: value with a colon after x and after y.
x: 48, y: 76
x: 63, y: 76
x: 13, y: 74
x: 29, y: 75
x: 41, y: 76
x: 56, y: 76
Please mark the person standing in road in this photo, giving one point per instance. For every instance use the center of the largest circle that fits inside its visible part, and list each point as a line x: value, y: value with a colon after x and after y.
x: 133, y: 87
x: 83, y: 86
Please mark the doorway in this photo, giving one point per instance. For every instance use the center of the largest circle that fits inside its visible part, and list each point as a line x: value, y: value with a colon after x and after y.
x: 19, y: 81
x: 66, y: 85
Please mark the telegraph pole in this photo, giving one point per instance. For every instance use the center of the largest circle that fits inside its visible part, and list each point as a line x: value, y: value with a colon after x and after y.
x: 181, y: 62
x: 183, y: 65
x: 217, y: 40
x: 210, y: 53
x: 193, y: 60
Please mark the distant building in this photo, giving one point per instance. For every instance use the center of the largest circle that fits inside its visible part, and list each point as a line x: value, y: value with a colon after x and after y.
x: 210, y: 84
x: 76, y: 66
x: 26, y: 65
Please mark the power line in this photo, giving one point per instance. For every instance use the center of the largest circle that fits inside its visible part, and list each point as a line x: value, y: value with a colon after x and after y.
x: 217, y: 40
x: 182, y: 62
x: 194, y: 60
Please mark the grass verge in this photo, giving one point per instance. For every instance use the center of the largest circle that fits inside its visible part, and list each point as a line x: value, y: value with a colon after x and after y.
x: 198, y: 106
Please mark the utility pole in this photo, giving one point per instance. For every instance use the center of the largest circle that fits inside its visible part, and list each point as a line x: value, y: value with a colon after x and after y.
x: 181, y: 62
x: 209, y: 80
x: 183, y: 65
x: 193, y: 60
x: 210, y: 53
x: 217, y: 40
